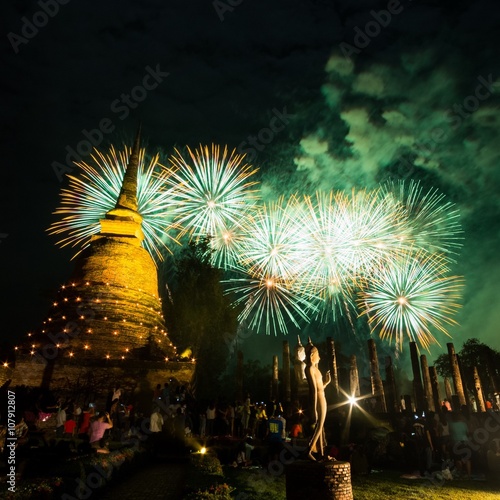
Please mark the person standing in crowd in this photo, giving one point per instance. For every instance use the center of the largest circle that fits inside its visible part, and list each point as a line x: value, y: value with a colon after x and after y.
x: 238, y: 415
x: 86, y: 418
x: 157, y: 393
x: 245, y: 420
x: 443, y: 437
x: 165, y: 394
x: 274, y: 436
x: 60, y: 419
x: 459, y: 437
x: 97, y: 429
x: 117, y: 394
x: 211, y: 413
x: 156, y: 420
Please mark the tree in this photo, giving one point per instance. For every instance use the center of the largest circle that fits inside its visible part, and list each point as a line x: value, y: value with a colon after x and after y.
x: 256, y: 380
x: 200, y: 316
x: 442, y: 365
x: 473, y: 353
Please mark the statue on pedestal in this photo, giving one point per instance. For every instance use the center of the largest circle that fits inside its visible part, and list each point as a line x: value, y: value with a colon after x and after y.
x: 318, y: 400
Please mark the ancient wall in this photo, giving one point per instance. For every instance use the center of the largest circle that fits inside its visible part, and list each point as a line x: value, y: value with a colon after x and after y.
x: 93, y: 381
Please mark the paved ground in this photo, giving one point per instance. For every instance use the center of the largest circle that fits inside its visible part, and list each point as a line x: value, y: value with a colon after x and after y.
x: 165, y: 480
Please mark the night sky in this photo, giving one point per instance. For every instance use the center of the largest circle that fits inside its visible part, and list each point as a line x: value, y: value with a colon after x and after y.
x: 412, y: 92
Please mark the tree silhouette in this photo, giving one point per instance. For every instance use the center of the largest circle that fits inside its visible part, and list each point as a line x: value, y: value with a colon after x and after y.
x: 200, y: 317
x: 474, y: 353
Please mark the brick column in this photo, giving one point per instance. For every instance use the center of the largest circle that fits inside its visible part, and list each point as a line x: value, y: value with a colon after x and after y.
x: 332, y: 366
x: 377, y: 385
x: 457, y: 378
x: 417, y: 379
x: 353, y: 378
x: 322, y: 480
x: 479, y: 391
x: 287, y: 396
x: 435, y: 388
x: 429, y: 400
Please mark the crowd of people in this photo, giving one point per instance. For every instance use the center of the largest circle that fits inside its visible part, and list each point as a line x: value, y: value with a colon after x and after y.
x: 430, y: 441
x: 450, y: 441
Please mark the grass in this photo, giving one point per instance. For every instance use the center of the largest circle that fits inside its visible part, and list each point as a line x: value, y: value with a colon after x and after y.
x: 257, y: 484
x: 388, y: 484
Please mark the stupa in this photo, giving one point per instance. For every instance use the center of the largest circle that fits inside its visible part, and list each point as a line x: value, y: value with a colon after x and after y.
x: 107, y: 320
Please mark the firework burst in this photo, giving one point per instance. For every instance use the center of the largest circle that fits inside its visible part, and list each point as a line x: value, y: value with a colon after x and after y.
x: 411, y: 297
x: 272, y: 242
x: 95, y: 191
x: 268, y: 300
x: 213, y: 191
x: 322, y: 277
x: 369, y: 231
x: 430, y: 223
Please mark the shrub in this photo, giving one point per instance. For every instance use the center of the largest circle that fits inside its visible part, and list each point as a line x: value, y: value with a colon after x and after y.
x: 206, y: 463
x: 216, y: 492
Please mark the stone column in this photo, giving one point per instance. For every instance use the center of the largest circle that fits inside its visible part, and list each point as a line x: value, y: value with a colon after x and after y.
x: 390, y: 381
x: 479, y: 391
x: 436, y: 396
x: 286, y: 372
x: 408, y: 403
x: 332, y: 366
x: 447, y: 389
x: 492, y: 371
x: 353, y: 378
x: 417, y: 379
x: 377, y: 385
x: 464, y: 382
x: 429, y: 400
x: 457, y: 379
x: 275, y: 380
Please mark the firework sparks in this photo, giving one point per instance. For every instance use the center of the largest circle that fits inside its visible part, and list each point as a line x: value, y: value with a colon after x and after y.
x: 92, y: 194
x: 409, y: 298
x: 304, y: 258
x: 272, y: 243
x: 431, y: 223
x: 323, y: 277
x: 225, y: 245
x: 213, y: 194
x: 269, y: 301
x: 369, y: 230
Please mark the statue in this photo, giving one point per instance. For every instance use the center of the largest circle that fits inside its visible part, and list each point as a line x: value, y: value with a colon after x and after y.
x: 318, y: 400
x: 298, y: 363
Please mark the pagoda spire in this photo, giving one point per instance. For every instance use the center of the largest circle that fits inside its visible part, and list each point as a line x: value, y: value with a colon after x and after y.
x: 124, y: 220
x: 128, y: 193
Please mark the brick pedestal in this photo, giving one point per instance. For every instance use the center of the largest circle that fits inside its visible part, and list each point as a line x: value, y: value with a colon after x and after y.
x: 326, y: 480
